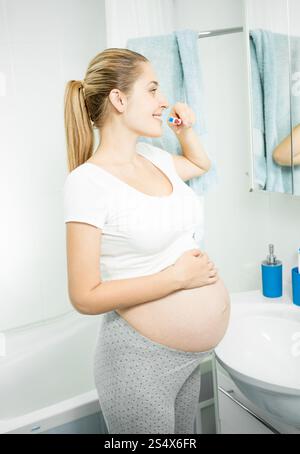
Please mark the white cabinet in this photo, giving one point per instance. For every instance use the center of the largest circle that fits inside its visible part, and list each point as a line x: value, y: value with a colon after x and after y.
x: 235, y: 420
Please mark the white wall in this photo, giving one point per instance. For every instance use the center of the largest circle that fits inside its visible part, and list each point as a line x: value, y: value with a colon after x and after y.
x: 294, y: 17
x: 269, y: 15
x: 278, y: 16
x: 239, y: 224
x: 43, y: 44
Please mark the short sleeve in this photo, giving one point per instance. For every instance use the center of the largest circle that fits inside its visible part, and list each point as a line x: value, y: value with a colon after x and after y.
x: 84, y: 200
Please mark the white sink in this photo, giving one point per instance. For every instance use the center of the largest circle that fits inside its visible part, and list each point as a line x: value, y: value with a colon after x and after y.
x: 261, y: 353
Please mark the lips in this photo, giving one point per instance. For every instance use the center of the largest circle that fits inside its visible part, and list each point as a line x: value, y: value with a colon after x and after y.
x: 159, y: 117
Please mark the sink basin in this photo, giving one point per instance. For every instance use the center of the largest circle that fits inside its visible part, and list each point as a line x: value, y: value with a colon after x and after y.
x: 261, y: 353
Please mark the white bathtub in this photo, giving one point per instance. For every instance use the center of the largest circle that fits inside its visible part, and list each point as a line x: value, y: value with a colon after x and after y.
x: 46, y: 377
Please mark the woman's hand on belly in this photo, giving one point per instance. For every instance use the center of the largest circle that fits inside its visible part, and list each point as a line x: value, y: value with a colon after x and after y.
x: 194, y: 269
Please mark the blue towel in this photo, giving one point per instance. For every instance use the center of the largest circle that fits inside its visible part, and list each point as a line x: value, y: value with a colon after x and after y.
x: 174, y: 58
x: 271, y: 107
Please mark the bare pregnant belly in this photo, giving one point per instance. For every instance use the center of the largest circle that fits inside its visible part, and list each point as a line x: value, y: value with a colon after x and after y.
x: 189, y: 320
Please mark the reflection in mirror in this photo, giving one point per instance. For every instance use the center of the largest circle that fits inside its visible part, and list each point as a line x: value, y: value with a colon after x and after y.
x: 294, y: 18
x: 268, y: 26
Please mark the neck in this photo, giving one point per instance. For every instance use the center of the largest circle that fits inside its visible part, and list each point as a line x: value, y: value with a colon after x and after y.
x: 117, y: 145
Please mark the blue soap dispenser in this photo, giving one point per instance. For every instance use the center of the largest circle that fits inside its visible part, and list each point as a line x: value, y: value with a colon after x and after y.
x: 271, y: 271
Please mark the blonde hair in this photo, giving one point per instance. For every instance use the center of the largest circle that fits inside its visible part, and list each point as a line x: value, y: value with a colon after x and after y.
x: 86, y: 103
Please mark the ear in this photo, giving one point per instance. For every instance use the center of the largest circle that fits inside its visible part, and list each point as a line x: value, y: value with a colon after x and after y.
x: 117, y: 98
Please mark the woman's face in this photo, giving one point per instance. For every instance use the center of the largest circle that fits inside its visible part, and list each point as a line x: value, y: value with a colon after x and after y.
x: 145, y: 101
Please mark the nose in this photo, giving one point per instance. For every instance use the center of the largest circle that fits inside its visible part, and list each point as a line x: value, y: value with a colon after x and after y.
x: 164, y: 102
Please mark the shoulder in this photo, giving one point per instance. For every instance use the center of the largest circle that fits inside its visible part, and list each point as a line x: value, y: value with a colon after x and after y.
x: 84, y: 179
x: 84, y: 198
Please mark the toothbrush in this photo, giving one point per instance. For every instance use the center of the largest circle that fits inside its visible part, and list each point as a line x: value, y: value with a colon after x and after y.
x: 176, y: 121
x: 299, y: 260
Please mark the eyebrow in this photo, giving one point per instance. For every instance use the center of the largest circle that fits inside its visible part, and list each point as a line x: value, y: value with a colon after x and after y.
x: 153, y: 82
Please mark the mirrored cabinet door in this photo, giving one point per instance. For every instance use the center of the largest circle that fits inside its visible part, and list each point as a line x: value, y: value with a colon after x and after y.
x: 294, y: 20
x: 267, y: 27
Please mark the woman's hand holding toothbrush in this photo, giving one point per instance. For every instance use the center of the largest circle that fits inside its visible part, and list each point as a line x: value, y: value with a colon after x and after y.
x: 181, y: 118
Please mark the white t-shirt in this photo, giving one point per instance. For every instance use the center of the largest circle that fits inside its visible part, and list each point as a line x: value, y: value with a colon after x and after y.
x: 141, y: 234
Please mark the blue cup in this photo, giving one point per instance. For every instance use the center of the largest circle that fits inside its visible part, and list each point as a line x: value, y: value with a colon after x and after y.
x: 296, y: 286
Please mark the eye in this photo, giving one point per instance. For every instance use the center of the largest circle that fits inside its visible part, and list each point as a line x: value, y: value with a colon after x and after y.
x: 154, y: 89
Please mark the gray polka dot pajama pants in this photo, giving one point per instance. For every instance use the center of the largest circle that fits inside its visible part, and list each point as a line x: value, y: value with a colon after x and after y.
x: 144, y: 387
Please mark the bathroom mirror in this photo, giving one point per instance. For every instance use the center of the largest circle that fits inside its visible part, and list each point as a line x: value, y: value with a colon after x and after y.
x: 268, y: 40
x: 294, y: 18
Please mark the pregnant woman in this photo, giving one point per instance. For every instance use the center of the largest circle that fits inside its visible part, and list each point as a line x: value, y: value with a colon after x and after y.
x: 131, y: 252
